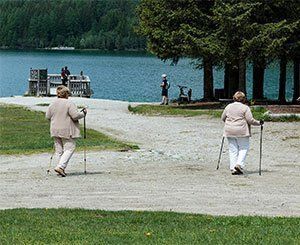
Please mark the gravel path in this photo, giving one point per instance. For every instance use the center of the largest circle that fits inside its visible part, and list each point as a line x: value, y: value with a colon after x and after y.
x: 175, y: 169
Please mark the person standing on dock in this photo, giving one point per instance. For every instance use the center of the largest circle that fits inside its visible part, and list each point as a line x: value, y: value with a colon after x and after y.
x: 64, y: 77
x: 67, y: 72
x: 64, y: 127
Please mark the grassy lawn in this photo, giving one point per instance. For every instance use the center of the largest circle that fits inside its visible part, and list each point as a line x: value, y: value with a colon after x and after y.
x: 23, y: 131
x: 76, y: 226
x: 157, y: 110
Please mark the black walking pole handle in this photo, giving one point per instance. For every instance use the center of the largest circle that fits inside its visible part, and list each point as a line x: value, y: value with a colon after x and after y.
x: 83, y: 110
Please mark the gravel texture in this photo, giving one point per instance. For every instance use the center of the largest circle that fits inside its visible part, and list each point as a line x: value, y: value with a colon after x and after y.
x: 174, y: 170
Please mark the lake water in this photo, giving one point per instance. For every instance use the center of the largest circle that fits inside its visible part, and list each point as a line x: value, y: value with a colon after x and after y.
x: 121, y: 76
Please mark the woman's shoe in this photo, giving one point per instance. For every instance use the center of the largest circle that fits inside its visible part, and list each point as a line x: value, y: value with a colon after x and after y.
x: 60, y: 171
x: 238, y: 169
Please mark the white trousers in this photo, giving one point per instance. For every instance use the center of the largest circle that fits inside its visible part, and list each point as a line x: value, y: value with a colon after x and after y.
x: 64, y: 149
x: 238, y: 148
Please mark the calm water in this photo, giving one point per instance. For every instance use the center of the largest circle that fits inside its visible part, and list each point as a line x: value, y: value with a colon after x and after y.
x: 120, y: 76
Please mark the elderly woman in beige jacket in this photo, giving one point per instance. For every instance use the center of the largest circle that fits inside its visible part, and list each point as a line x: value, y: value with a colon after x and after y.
x: 64, y: 127
x: 238, y: 118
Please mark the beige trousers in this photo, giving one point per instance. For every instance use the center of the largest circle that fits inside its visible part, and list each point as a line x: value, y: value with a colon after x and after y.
x: 64, y: 149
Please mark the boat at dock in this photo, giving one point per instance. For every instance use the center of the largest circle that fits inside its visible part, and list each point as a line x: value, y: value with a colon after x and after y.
x: 43, y: 84
x: 63, y: 48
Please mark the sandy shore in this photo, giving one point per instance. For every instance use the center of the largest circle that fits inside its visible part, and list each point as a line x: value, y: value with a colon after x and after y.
x: 175, y: 169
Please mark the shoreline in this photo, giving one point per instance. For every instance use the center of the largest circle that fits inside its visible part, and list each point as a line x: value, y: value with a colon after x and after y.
x: 142, y: 51
x: 264, y: 103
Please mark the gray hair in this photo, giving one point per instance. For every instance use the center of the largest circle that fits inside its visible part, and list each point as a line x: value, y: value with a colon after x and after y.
x: 62, y: 91
x: 239, y: 97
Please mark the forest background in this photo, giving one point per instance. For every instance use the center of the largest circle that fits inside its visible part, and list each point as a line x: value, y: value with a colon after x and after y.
x: 213, y: 33
x: 104, y: 24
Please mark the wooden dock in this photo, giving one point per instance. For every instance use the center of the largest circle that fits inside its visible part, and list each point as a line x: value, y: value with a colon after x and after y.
x: 43, y: 84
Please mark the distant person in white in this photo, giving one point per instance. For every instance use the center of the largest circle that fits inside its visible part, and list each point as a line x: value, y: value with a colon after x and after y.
x: 238, y: 118
x: 64, y: 127
x: 164, y: 90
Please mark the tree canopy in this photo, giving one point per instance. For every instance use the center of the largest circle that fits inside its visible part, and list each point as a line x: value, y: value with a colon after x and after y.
x: 226, y: 33
x: 90, y: 24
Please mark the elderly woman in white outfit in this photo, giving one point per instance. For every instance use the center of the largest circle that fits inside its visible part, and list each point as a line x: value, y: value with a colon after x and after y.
x: 238, y: 118
x: 64, y: 127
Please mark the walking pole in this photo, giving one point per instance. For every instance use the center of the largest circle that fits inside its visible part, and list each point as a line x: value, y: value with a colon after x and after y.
x: 50, y: 162
x: 220, y: 153
x: 260, y: 148
x: 84, y: 136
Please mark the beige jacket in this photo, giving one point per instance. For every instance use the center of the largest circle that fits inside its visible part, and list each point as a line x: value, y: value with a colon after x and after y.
x: 238, y: 118
x: 64, y: 117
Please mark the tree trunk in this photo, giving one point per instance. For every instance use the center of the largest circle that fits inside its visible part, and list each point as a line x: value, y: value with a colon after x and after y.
x: 296, y: 93
x: 226, y: 80
x: 258, y: 79
x: 233, y: 80
x: 242, y: 75
x: 208, y: 80
x: 282, y: 80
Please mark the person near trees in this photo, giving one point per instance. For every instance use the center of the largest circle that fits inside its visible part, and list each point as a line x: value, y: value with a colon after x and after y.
x: 164, y: 90
x: 238, y: 119
x: 64, y: 127
x: 190, y: 95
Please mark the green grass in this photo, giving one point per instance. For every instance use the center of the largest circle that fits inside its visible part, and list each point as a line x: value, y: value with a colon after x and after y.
x: 76, y: 226
x: 156, y: 110
x: 259, y: 114
x: 23, y: 131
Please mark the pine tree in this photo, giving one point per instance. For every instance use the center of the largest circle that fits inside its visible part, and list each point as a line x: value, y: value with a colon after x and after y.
x: 176, y: 29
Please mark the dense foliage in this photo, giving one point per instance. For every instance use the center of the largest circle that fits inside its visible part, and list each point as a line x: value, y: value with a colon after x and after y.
x: 226, y: 33
x: 89, y: 24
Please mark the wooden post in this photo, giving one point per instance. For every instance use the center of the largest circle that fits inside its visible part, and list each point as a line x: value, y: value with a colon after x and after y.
x: 81, y: 90
x: 69, y: 85
x: 38, y: 84
x: 48, y: 84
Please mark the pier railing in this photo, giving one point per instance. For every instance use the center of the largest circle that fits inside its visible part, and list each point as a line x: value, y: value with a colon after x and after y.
x: 43, y: 84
